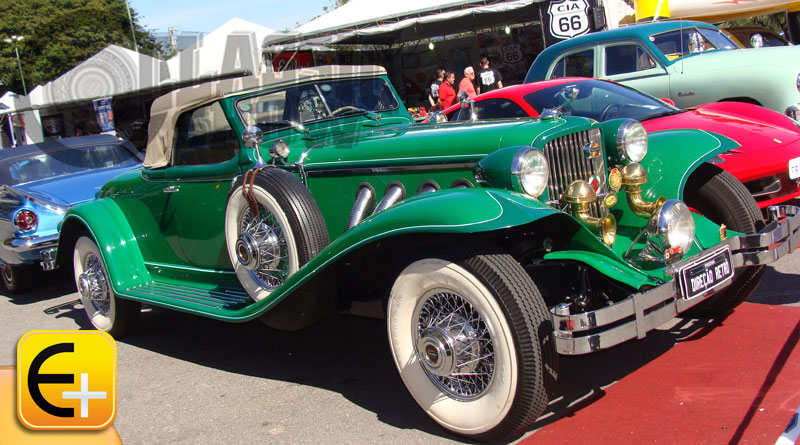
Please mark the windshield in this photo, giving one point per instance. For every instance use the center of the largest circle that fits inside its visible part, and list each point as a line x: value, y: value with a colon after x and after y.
x: 687, y: 41
x: 65, y: 162
x: 600, y: 100
x: 311, y: 103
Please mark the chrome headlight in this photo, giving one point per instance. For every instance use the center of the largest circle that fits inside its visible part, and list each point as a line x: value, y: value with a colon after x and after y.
x: 670, y: 231
x: 530, y: 167
x: 797, y: 82
x: 632, y: 140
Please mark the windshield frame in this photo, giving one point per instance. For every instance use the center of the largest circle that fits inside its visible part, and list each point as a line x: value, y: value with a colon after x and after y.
x: 325, y: 100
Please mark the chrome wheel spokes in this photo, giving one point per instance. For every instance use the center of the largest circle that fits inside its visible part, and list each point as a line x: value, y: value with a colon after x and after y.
x: 270, y: 257
x: 93, y: 286
x: 454, y: 345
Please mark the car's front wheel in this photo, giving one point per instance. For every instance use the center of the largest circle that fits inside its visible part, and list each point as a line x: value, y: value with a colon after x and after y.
x: 472, y: 340
x: 106, y: 311
x: 720, y: 197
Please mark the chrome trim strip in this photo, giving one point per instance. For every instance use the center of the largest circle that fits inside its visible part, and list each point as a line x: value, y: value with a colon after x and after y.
x: 388, y: 169
x: 656, y: 306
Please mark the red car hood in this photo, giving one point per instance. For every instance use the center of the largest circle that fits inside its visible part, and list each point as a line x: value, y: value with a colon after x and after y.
x: 754, y: 128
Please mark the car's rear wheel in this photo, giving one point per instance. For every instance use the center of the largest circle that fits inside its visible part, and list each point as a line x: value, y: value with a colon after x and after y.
x: 105, y: 310
x: 720, y: 197
x: 267, y: 246
x: 472, y: 340
x: 17, y: 279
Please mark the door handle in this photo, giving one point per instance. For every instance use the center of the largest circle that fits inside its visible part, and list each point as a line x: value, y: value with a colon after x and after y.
x: 172, y: 189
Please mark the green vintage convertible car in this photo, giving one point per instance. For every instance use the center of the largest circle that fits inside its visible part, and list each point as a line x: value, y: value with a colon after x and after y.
x: 490, y: 248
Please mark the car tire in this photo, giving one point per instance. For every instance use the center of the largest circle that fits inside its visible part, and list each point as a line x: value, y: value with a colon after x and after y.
x: 107, y: 312
x: 720, y: 197
x: 289, y: 230
x: 487, y: 306
x: 18, y: 279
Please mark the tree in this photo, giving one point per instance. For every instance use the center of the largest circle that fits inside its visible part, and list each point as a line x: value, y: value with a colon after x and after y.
x: 60, y: 34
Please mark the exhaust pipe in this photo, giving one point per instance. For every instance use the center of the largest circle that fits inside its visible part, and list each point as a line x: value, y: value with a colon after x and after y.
x: 365, y: 201
x: 394, y: 193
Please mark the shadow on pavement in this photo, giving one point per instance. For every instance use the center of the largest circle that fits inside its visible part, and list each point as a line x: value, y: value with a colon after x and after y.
x: 777, y: 288
x: 348, y: 355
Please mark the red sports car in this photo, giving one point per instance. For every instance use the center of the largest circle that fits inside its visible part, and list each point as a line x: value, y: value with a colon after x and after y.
x: 768, y: 161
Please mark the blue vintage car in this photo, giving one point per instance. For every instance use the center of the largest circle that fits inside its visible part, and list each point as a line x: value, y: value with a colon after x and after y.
x: 691, y: 63
x: 40, y: 183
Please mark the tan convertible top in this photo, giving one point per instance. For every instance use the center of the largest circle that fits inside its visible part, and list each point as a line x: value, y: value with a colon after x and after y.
x: 166, y: 109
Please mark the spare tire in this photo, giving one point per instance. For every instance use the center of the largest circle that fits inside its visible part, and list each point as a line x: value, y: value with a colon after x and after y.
x: 287, y: 231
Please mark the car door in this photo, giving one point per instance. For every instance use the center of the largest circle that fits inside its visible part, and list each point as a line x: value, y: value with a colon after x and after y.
x: 632, y: 64
x: 182, y: 208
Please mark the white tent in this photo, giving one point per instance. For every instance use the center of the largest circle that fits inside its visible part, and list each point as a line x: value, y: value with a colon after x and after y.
x: 234, y: 47
x: 388, y: 22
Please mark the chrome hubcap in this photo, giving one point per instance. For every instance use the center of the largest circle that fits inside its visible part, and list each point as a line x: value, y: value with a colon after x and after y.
x: 93, y: 286
x: 454, y: 346
x: 261, y: 248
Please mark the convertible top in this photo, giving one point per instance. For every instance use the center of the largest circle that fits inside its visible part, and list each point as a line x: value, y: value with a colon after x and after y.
x: 165, y: 110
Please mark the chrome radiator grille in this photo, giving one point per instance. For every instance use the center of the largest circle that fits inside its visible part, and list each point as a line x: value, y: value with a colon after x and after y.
x: 568, y: 159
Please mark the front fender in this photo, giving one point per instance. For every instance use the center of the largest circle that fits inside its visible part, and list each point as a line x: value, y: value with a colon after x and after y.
x: 673, y: 155
x: 452, y: 211
x: 106, y: 223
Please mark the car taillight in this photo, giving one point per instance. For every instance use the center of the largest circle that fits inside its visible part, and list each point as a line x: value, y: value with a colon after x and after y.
x: 26, y: 220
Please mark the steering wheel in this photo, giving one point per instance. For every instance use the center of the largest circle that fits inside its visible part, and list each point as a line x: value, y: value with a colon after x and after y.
x: 343, y: 109
x: 611, y: 111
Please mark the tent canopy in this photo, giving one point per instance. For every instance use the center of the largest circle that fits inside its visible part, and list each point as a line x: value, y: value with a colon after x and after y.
x: 373, y: 22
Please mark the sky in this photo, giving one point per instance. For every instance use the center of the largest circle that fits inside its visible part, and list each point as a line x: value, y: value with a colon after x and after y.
x: 207, y: 15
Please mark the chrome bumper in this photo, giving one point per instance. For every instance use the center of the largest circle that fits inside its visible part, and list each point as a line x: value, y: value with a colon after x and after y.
x: 633, y: 317
x: 32, y: 243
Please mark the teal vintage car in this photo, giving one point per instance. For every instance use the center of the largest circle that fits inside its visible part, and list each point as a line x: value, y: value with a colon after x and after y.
x: 490, y: 248
x: 691, y: 63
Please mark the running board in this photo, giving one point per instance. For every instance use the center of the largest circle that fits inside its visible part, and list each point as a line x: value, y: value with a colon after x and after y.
x: 211, y: 302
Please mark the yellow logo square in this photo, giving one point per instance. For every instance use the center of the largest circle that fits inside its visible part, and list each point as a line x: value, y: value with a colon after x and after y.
x: 66, y: 380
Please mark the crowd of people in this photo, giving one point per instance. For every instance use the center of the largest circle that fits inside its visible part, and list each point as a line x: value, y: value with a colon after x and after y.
x: 443, y: 93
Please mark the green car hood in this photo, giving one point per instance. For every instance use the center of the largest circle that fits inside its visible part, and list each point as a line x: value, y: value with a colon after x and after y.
x: 431, y: 143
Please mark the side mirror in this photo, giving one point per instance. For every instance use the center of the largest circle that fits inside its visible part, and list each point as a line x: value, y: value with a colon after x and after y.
x: 463, y: 97
x: 667, y: 101
x: 756, y: 41
x: 252, y: 136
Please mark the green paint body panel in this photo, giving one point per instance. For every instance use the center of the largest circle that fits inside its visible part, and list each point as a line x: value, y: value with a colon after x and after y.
x: 672, y: 155
x: 161, y: 231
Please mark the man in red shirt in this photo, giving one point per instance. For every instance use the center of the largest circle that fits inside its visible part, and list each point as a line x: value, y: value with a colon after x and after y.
x: 466, y: 83
x: 447, y: 95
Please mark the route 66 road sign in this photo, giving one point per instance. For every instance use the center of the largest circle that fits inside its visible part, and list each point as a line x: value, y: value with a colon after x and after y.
x: 568, y: 18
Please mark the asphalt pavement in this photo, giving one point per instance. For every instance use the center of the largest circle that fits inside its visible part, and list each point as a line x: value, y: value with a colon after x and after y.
x: 188, y: 379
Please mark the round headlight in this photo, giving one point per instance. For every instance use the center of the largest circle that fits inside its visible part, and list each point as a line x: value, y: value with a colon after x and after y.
x: 675, y: 225
x: 632, y: 140
x: 530, y: 166
x: 797, y: 82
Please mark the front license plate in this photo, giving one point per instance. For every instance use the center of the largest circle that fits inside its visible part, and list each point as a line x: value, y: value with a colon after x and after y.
x: 707, y: 273
x: 794, y: 168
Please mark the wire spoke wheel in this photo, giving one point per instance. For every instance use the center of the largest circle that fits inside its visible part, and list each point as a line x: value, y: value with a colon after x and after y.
x: 472, y: 340
x: 271, y: 248
x: 454, y: 345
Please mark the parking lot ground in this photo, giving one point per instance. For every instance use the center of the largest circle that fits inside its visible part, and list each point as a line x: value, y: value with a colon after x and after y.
x: 184, y: 379
x: 733, y: 380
